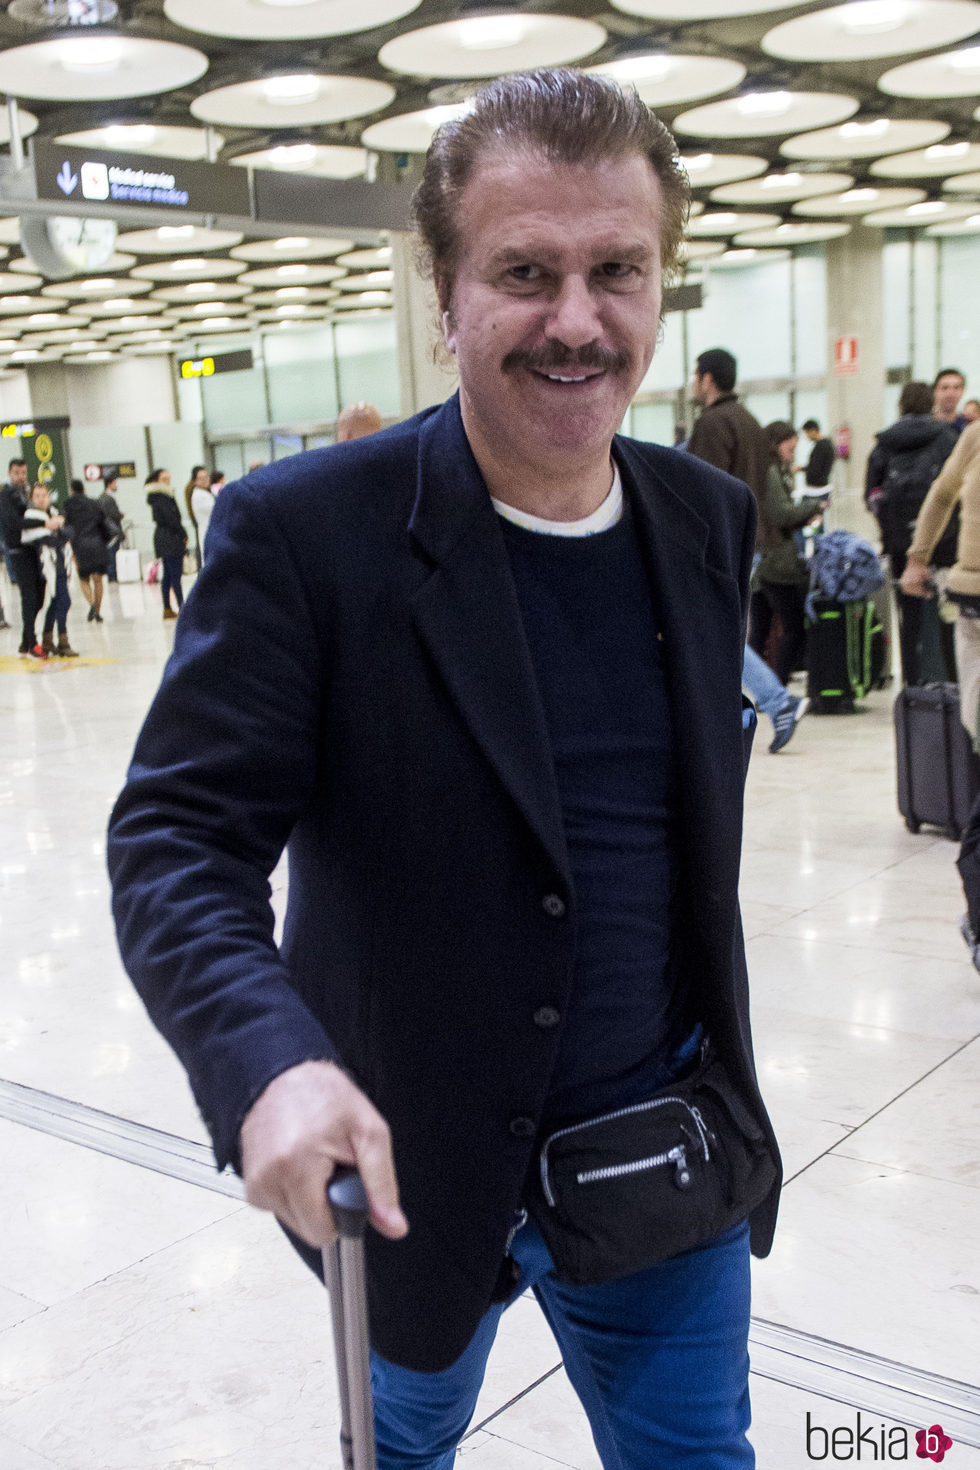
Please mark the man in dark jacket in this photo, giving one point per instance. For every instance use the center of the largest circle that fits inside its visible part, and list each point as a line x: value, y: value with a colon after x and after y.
x: 821, y: 461
x: 481, y: 672
x: 23, y: 552
x: 725, y: 433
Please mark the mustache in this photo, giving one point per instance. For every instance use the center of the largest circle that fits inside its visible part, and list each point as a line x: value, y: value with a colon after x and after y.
x: 557, y: 358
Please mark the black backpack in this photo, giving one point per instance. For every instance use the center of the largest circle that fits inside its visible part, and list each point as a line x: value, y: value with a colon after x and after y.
x: 905, y: 486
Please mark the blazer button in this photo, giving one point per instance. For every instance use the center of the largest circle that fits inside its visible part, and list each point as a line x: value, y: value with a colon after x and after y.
x: 547, y: 1017
x: 522, y: 1127
x: 554, y: 906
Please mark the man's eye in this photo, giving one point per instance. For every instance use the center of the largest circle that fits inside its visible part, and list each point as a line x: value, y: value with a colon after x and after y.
x: 525, y: 272
x: 616, y: 269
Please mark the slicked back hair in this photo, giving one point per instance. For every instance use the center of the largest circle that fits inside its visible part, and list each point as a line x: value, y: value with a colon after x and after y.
x: 563, y: 115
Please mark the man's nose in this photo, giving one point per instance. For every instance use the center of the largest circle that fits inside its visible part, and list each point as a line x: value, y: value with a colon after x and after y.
x: 574, y: 318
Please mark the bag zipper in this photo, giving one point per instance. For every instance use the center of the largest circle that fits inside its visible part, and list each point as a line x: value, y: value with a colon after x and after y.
x: 608, y: 1118
x: 676, y: 1156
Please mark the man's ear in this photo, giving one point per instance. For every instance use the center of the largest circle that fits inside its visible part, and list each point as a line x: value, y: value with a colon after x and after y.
x: 447, y: 323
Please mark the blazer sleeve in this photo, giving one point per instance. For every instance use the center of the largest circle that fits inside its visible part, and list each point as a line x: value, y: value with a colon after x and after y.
x: 224, y: 764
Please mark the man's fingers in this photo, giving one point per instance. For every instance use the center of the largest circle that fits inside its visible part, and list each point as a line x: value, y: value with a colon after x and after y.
x: 374, y: 1161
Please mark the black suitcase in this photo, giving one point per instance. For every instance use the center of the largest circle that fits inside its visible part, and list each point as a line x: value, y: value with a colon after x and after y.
x: 343, y: 1272
x: 846, y: 654
x: 938, y: 773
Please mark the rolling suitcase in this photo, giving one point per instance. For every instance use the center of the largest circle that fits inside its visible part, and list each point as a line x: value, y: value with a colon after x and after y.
x: 938, y: 773
x: 846, y: 654
x: 343, y: 1272
x: 128, y: 568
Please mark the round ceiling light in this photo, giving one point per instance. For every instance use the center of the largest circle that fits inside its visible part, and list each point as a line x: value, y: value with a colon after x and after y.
x: 291, y: 247
x: 285, y: 20
x: 189, y: 269
x: 859, y: 201
x: 377, y: 257
x: 96, y: 288
x: 698, y: 9
x: 935, y: 162
x: 792, y: 233
x: 193, y: 291
x: 486, y: 45
x: 150, y: 138
x: 315, y: 98
x: 19, y: 280
x: 26, y: 121
x: 327, y: 160
x: 411, y: 132
x: 293, y: 275
x: 963, y: 184
x: 953, y: 74
x: 723, y: 222
x: 705, y: 170
x: 929, y: 212
x: 98, y: 68
x: 368, y: 280
x: 968, y: 226
x: 178, y: 239
x: 661, y: 79
x: 740, y: 256
x: 781, y: 188
x: 765, y: 113
x: 863, y: 29
x: 868, y: 138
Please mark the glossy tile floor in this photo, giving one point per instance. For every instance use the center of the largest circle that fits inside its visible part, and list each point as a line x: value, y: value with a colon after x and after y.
x: 147, y: 1323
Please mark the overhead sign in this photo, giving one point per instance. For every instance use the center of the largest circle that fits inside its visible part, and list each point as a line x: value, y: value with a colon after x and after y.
x: 224, y: 362
x: 28, y: 429
x: 845, y: 355
x: 98, y: 177
x: 124, y: 471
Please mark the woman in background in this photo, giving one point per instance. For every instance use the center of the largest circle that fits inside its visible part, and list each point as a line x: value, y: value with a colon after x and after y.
x: 169, y: 538
x: 90, y: 536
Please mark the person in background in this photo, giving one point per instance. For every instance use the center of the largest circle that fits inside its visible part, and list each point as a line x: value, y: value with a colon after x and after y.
x: 781, y: 573
x: 255, y: 464
x: 112, y: 511
x: 958, y: 484
x: 356, y: 421
x: 90, y: 536
x: 169, y: 539
x: 903, y: 464
x: 199, y: 480
x: 821, y: 461
x: 730, y: 437
x: 13, y: 500
x: 54, y: 548
x: 971, y: 410
x: 202, y: 504
x: 36, y: 524
x: 217, y: 481
x: 948, y: 387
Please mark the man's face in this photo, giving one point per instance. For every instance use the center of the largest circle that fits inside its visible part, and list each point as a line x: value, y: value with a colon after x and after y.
x: 18, y: 476
x: 555, y: 307
x: 699, y: 387
x: 40, y: 497
x: 947, y: 393
x: 812, y: 434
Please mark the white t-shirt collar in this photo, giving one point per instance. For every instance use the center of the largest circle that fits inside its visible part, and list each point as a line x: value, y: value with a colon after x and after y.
x: 606, y: 515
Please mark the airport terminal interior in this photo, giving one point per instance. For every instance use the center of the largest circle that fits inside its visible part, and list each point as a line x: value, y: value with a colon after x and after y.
x: 245, y: 273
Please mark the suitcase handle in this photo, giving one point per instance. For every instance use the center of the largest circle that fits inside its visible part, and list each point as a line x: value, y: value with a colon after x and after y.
x: 348, y: 1202
x: 343, y: 1270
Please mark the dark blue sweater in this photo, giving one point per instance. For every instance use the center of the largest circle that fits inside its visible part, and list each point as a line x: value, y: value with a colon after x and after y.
x: 592, y: 630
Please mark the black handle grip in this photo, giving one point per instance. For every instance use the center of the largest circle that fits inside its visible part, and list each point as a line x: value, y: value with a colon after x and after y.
x: 348, y: 1201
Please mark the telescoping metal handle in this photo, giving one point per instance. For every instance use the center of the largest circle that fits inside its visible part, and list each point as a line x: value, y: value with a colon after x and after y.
x: 343, y: 1271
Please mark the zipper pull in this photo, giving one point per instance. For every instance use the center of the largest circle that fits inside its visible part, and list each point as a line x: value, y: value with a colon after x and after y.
x: 682, y: 1174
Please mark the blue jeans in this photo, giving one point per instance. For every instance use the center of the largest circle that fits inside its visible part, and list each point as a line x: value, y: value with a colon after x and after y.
x: 57, y: 609
x: 173, y: 569
x: 659, y: 1361
x: 758, y: 678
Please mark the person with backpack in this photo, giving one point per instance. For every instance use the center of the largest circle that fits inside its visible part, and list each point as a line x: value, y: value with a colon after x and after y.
x: 905, y: 461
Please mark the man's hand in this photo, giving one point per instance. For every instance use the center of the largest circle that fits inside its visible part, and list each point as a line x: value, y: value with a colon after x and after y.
x: 54, y: 523
x: 915, y: 580
x: 309, y: 1119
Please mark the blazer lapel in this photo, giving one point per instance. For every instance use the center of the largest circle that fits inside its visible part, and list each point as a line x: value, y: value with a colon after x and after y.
x: 467, y: 614
x: 700, y: 614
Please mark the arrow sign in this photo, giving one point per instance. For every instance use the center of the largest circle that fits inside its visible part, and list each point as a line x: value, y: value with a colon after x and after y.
x: 66, y: 180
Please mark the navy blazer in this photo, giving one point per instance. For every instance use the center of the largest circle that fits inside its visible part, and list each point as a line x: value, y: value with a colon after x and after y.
x: 351, y: 677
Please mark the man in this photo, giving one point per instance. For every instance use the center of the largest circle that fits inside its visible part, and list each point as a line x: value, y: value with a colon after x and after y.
x: 957, y: 484
x: 356, y: 421
x: 821, y: 461
x: 481, y: 671
x: 728, y: 436
x: 948, y: 388
x: 23, y: 550
x: 971, y: 410
x: 112, y: 511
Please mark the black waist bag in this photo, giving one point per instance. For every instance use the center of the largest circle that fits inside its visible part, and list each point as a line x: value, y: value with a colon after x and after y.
x: 618, y: 1193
